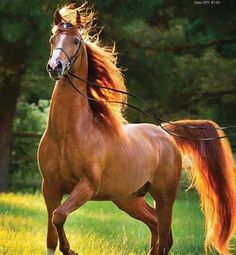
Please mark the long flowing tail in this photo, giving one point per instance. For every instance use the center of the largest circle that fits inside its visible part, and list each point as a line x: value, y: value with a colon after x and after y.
x: 214, y: 178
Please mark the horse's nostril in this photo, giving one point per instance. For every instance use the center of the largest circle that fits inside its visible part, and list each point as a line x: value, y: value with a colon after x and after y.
x: 59, y: 65
x: 49, y: 68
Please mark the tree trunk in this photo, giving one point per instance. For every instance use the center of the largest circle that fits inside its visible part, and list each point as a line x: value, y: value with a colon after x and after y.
x: 9, y: 92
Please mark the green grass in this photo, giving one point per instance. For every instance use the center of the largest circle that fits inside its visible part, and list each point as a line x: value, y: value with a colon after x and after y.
x: 98, y: 228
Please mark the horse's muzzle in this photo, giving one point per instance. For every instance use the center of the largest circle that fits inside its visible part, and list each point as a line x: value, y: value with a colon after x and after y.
x: 56, y: 71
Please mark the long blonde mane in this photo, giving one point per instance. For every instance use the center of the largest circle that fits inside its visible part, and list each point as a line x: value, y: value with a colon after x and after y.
x: 102, y: 69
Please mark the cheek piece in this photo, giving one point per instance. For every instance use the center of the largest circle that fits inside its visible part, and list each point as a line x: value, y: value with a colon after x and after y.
x: 72, y: 59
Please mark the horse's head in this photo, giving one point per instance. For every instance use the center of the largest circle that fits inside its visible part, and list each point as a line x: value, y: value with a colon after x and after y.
x: 65, y: 46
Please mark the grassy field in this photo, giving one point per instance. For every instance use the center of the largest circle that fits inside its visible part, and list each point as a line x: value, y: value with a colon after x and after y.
x: 98, y: 228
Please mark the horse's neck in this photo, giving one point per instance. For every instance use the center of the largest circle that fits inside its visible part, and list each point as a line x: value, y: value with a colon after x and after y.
x: 70, y: 112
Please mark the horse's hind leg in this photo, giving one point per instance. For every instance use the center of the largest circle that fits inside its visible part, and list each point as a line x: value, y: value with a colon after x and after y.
x: 164, y: 197
x: 138, y: 208
x: 164, y: 216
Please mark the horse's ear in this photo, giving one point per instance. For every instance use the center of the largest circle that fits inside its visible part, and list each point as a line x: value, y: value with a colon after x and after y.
x: 57, y: 17
x: 78, y: 19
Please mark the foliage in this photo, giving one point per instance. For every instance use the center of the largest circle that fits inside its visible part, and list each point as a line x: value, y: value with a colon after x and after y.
x: 31, y: 118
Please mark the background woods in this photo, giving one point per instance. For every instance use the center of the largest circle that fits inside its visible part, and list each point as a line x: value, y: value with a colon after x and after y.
x: 180, y: 57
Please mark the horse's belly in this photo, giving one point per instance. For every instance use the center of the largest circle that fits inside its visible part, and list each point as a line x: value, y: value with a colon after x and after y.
x: 123, y: 184
x: 126, y: 176
x: 130, y: 166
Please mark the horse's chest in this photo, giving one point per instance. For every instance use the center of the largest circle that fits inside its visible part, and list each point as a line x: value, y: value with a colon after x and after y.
x: 61, y: 164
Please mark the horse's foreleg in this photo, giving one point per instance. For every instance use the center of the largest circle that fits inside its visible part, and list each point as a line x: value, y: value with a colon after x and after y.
x: 52, y: 201
x: 138, y: 208
x: 82, y: 192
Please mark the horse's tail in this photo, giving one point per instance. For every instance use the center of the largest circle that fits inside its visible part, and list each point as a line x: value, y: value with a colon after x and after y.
x: 214, y: 178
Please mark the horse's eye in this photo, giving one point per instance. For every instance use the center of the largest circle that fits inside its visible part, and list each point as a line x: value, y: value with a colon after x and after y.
x: 76, y: 41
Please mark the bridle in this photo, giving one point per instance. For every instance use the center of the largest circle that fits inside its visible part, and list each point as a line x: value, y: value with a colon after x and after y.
x: 65, y: 27
x: 70, y: 59
x: 153, y: 115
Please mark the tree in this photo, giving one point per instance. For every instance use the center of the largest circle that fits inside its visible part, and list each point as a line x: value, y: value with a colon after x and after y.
x: 24, y: 28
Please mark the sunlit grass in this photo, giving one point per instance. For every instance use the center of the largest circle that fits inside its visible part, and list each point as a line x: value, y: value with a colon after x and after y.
x: 98, y: 228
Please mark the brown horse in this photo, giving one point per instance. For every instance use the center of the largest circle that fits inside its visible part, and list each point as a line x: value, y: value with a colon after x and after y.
x: 89, y: 152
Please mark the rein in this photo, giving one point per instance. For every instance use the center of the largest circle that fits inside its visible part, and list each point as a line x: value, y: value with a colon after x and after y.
x: 153, y: 115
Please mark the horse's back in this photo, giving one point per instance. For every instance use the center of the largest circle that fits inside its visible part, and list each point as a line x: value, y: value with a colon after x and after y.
x: 149, y: 131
